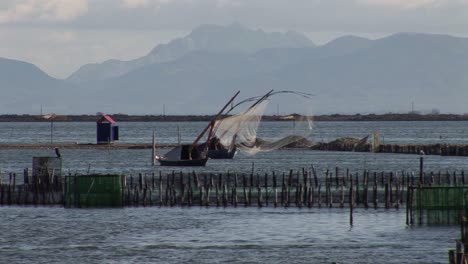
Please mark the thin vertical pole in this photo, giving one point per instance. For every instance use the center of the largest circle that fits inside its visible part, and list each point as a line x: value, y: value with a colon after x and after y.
x: 51, y: 130
x: 153, y: 153
x: 421, y: 171
x: 178, y: 135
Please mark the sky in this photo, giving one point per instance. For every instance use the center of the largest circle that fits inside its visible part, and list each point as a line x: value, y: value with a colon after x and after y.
x: 59, y: 36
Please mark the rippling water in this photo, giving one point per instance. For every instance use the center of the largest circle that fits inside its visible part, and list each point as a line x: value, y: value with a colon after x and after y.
x: 166, y: 132
x: 214, y: 235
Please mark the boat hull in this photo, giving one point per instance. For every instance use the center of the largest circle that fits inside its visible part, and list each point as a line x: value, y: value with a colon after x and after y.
x: 187, y: 163
x: 221, y: 153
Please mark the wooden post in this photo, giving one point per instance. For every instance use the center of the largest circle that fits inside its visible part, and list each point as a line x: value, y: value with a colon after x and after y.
x: 387, y: 199
x: 314, y: 171
x: 266, y: 189
x: 202, y: 195
x: 153, y: 152
x: 137, y: 198
x: 208, y: 190
x: 140, y: 181
x: 351, y: 201
x: 452, y: 259
x: 288, y: 188
x: 336, y: 177
x: 144, y: 196
x: 407, y: 205
x: 319, y: 196
x: 189, y: 191
x: 218, y: 201
x: 251, y: 185
x: 357, y: 196
x: 234, y: 191
x: 259, y: 196
x: 306, y: 186
x: 420, y: 203
x: 275, y: 191
x: 2, y: 193
x: 244, y: 183
x: 347, y: 177
x: 459, y: 252
x: 366, y: 189
x: 374, y: 194
x: 326, y: 189
x: 398, y: 194
x: 382, y: 174
x: 225, y: 194
x: 182, y: 189
x: 311, y: 196
x: 390, y: 188
x: 160, y: 189
x: 421, y: 172
x: 411, y: 191
x: 173, y: 191
x: 341, y: 196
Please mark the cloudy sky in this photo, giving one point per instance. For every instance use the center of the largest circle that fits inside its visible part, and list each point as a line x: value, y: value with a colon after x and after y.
x: 61, y: 35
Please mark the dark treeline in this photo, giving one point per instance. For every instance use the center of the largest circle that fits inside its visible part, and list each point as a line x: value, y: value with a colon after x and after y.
x: 150, y: 118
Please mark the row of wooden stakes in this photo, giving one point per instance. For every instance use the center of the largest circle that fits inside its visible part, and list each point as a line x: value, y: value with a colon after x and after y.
x: 303, y: 188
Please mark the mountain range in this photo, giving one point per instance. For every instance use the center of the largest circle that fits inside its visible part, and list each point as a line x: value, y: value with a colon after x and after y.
x: 196, y: 74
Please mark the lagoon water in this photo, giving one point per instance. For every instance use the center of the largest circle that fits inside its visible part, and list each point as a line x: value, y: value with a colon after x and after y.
x: 217, y: 235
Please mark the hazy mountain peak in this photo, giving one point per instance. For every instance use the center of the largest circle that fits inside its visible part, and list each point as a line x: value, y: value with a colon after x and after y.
x: 346, y: 44
x: 349, y: 74
x: 14, y: 69
x: 231, y: 38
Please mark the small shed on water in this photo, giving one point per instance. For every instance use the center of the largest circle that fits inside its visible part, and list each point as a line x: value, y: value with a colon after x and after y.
x: 107, y: 131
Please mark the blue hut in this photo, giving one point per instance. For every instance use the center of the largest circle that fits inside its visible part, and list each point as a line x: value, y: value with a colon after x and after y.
x: 107, y: 132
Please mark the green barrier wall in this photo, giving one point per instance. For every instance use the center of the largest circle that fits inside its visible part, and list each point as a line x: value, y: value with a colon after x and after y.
x: 93, y: 191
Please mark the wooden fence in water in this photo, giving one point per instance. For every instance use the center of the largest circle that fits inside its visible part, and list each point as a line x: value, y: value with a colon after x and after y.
x: 428, y: 149
x: 428, y: 198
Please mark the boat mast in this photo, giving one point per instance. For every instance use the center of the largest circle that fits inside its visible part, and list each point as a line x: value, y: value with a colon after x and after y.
x: 211, y: 124
x: 263, y: 98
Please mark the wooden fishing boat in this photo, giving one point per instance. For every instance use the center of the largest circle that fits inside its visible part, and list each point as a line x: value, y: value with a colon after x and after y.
x: 216, y: 150
x: 192, y: 154
x: 222, y: 153
x: 183, y: 155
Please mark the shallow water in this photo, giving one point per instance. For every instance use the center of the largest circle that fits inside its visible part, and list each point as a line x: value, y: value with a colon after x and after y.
x: 217, y: 235
x: 166, y: 132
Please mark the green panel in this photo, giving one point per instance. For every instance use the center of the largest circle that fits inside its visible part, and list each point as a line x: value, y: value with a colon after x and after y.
x: 93, y: 191
x: 441, y: 205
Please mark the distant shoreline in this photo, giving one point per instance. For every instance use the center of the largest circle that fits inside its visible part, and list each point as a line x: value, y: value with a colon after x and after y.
x: 188, y: 118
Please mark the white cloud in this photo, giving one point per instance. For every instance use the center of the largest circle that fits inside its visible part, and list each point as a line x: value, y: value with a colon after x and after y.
x: 145, y: 3
x: 134, y: 3
x: 43, y: 10
x: 406, y: 4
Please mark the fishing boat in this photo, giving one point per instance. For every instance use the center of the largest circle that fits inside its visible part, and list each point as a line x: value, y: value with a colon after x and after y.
x: 231, y: 126
x: 193, y: 154
x: 183, y: 155
x: 216, y: 150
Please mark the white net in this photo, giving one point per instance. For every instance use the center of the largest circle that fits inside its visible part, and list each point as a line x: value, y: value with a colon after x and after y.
x: 246, y: 131
x: 240, y: 128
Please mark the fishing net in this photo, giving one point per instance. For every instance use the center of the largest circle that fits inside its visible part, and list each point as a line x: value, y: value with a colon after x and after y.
x: 247, y: 131
x: 241, y: 128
